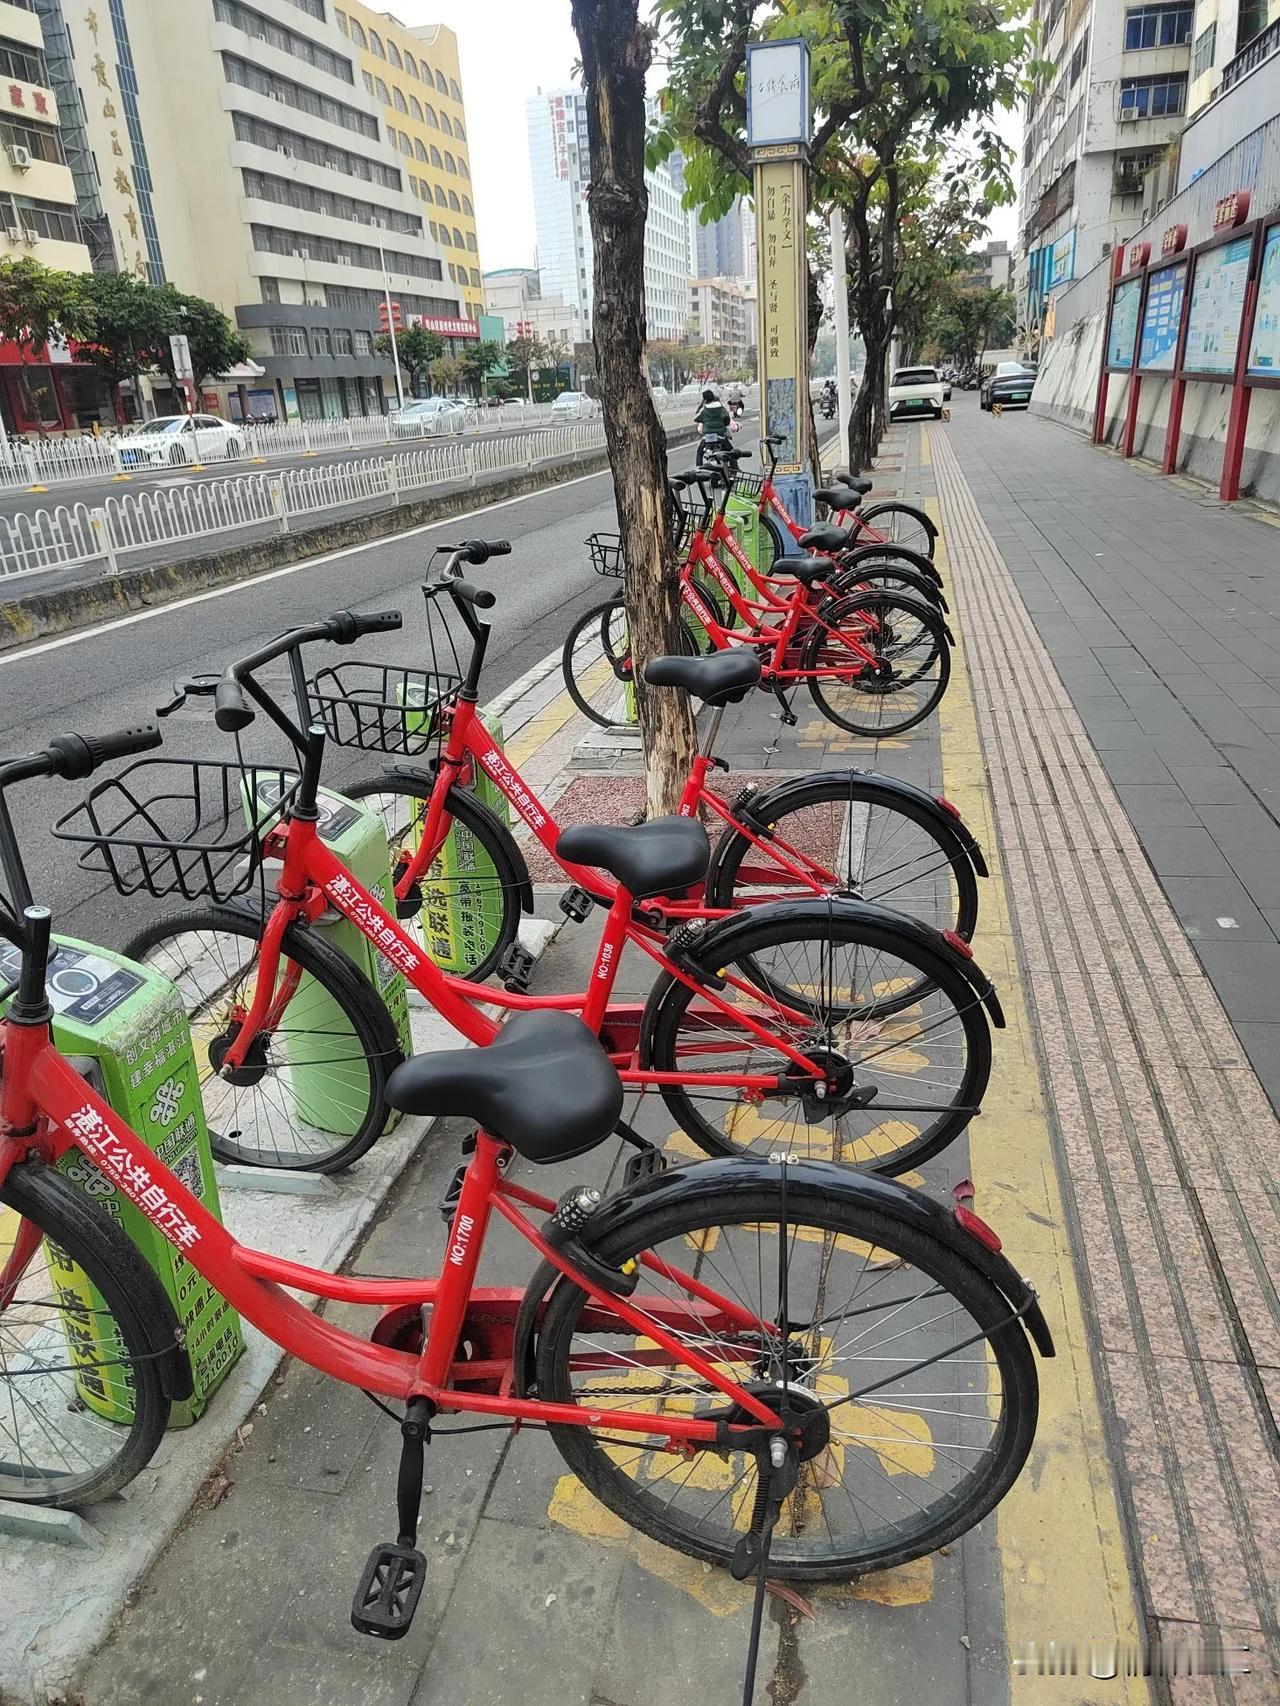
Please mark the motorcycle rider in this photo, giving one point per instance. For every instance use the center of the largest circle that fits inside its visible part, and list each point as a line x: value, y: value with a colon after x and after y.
x: 829, y: 400
x: 736, y: 400
x: 713, y: 418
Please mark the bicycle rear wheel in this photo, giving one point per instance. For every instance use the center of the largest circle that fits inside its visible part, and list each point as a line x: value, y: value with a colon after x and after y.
x: 921, y: 1391
x: 82, y: 1403
x: 898, y: 523
x: 908, y: 641
x: 596, y: 661
x: 310, y: 1095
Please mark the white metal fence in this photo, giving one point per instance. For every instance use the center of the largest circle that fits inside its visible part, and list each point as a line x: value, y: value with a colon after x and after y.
x: 142, y: 520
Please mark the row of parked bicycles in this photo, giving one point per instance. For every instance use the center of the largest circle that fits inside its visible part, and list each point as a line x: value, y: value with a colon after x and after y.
x: 777, y: 1358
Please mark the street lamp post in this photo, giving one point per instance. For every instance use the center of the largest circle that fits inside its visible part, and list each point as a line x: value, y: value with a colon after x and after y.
x: 391, y: 324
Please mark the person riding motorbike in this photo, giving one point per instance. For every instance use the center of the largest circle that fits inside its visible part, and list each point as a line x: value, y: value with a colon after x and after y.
x: 736, y: 400
x: 829, y: 401
x: 713, y: 417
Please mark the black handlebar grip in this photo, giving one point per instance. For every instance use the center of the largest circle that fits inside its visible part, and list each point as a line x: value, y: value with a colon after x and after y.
x: 478, y: 551
x: 499, y: 547
x: 480, y: 596
x: 76, y: 756
x: 231, y: 710
x: 379, y: 622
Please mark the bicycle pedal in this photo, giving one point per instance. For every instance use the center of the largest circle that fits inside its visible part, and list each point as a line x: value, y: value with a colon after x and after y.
x: 515, y: 968
x: 644, y: 1164
x: 449, y: 1201
x: 576, y: 903
x: 390, y: 1587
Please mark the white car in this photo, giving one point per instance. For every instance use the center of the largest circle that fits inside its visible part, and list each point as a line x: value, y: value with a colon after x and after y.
x: 916, y: 391
x: 175, y: 440
x: 573, y: 406
x: 427, y: 416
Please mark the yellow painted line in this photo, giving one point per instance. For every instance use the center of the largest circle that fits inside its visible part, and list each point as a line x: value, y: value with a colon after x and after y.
x: 1065, y: 1570
x: 552, y: 718
x: 926, y: 448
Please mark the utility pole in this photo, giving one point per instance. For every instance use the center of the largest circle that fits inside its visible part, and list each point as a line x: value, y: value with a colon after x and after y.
x: 840, y: 305
x: 391, y: 323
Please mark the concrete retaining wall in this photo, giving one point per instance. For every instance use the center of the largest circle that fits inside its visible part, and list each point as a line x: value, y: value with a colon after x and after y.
x: 1067, y: 386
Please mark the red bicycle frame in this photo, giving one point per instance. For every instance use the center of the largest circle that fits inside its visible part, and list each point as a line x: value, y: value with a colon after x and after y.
x: 47, y: 1108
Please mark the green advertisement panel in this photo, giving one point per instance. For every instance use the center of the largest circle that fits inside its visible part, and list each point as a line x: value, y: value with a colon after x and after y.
x: 125, y: 1030
x: 461, y: 894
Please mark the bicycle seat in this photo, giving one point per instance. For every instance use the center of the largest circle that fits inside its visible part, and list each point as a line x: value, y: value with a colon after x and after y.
x: 664, y: 856
x: 544, y: 1085
x: 825, y: 539
x: 855, y: 483
x: 721, y: 678
x: 805, y: 569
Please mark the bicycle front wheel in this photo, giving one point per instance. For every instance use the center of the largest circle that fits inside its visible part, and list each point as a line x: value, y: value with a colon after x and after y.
x: 922, y: 1390
x: 901, y: 1037
x: 82, y: 1404
x: 910, y: 667
x: 597, y: 664
x: 310, y: 1095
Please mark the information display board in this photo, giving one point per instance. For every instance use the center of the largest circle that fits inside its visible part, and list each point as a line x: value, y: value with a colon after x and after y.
x: 1264, y: 349
x: 1162, y: 318
x: 1123, y: 336
x: 1217, y: 308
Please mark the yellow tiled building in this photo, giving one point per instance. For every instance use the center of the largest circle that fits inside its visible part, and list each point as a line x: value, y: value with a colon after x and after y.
x: 414, y: 75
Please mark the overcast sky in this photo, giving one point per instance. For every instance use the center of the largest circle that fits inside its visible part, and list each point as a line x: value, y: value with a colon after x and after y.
x: 509, y: 49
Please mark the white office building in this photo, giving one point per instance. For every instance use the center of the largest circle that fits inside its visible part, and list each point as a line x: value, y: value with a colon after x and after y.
x: 558, y: 157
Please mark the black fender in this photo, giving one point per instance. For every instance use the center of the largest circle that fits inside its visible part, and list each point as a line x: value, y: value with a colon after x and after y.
x: 950, y: 825
x: 720, y: 942
x: 425, y: 772
x: 815, y: 1179
x: 917, y: 560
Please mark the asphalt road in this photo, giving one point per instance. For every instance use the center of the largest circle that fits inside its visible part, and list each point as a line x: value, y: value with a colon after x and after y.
x: 116, y: 675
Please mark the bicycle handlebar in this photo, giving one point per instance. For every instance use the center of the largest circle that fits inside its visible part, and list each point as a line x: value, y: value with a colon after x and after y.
x: 479, y: 596
x: 73, y: 757
x: 232, y: 711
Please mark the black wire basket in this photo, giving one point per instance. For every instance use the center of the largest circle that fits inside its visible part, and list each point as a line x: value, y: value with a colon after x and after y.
x: 693, y: 510
x: 748, y: 485
x: 381, y: 707
x: 180, y: 826
x: 606, y: 554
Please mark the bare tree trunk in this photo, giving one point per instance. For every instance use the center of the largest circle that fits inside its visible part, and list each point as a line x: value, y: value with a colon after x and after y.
x: 616, y: 51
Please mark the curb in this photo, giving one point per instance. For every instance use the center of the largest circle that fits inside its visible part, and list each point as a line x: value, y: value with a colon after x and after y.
x: 60, y: 610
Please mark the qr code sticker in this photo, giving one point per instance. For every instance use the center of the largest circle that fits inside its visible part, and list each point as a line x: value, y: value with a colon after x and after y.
x: 187, y: 1168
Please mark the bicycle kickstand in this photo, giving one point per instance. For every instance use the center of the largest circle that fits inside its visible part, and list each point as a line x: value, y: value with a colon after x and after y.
x: 392, y: 1581
x: 788, y: 716
x: 778, y: 1471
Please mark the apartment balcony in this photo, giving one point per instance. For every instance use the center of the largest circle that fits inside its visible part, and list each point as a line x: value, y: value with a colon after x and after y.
x: 1251, y: 55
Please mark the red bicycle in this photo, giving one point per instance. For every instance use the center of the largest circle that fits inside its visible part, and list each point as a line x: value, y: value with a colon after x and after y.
x: 888, y: 523
x: 762, y: 1363
x: 825, y: 1026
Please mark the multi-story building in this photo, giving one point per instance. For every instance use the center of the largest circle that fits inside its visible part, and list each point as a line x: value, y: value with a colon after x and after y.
x: 721, y: 314
x: 415, y: 77
x: 558, y: 157
x: 990, y: 268
x: 515, y: 295
x: 38, y: 217
x: 1115, y: 98
x: 724, y: 247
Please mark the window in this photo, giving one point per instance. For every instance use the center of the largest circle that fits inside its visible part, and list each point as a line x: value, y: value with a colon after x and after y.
x: 289, y: 340
x: 415, y: 107
x: 419, y: 149
x: 40, y: 140
x: 291, y: 142
x: 313, y: 8
x: 1206, y: 46
x: 399, y: 100
x: 445, y: 238
x: 450, y: 164
x: 475, y: 284
x: 361, y: 341
x: 433, y: 229
x: 413, y: 184
x: 458, y: 238
x: 458, y: 130
x: 436, y: 160
x: 455, y: 91
x: 441, y: 199
x: 288, y: 192
x: 246, y: 76
x: 1079, y: 59
x: 273, y: 240
x: 381, y: 87
x: 1157, y: 26
x: 445, y: 126
x: 406, y: 143
x: 25, y: 63
x: 463, y: 167
x: 410, y: 64
x: 357, y: 35
x: 321, y: 344
x: 471, y: 241
x: 262, y: 28
x: 269, y: 289
x: 393, y: 56
x: 467, y: 207
x: 340, y: 18
x: 429, y: 113
x: 342, y: 342
x: 375, y: 45
x: 1154, y: 97
x: 453, y: 202
x: 441, y: 84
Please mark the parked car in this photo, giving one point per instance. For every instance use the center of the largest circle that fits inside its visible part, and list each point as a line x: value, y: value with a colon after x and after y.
x: 573, y: 406
x: 916, y: 391
x: 1010, y: 385
x: 427, y: 416
x: 178, y: 439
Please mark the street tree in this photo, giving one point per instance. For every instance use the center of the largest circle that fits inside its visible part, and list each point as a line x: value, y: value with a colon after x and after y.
x: 417, y: 347
x: 967, y: 321
x: 479, y: 361
x: 616, y: 53
x: 523, y: 355
x: 448, y: 373
x: 667, y: 357
x: 38, y: 303
x: 214, y: 342
x: 130, y: 326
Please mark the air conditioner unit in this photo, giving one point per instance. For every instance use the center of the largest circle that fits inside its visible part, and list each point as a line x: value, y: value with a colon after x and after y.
x: 19, y: 158
x: 15, y: 233
x: 344, y: 260
x: 285, y: 149
x: 1129, y: 115
x: 30, y: 237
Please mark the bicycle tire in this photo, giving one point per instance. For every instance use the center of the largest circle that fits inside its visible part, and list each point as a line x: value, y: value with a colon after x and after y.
x: 675, y: 1030
x: 715, y: 1221
x: 851, y: 792
x: 923, y: 566
x: 780, y: 542
x: 573, y: 668
x: 909, y: 525
x: 884, y: 576
x: 881, y: 607
x: 133, y: 1303
x: 357, y: 1099
x: 499, y: 847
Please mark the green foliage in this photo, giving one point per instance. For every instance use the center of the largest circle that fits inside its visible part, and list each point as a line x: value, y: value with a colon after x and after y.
x: 966, y: 321
x: 215, y: 344
x: 129, y: 324
x: 479, y: 360
x: 417, y: 347
x: 38, y: 303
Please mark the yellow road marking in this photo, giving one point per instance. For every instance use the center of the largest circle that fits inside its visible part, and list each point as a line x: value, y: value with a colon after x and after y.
x: 535, y: 734
x: 1062, y: 1553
